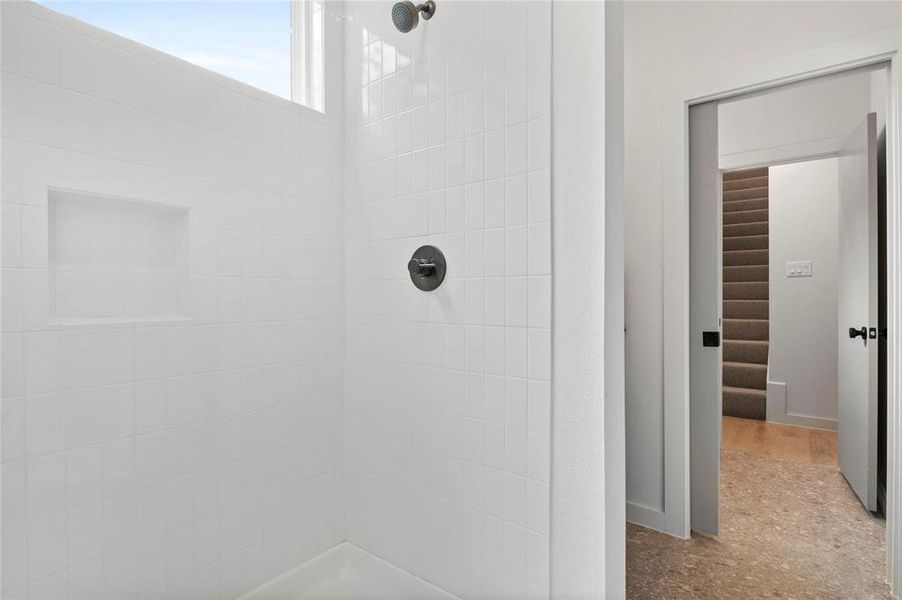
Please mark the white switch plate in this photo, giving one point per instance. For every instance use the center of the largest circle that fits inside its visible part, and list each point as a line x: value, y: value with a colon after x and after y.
x: 798, y: 268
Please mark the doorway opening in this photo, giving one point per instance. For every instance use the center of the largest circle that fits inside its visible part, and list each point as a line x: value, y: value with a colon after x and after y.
x: 804, y: 278
x: 787, y: 243
x: 800, y: 271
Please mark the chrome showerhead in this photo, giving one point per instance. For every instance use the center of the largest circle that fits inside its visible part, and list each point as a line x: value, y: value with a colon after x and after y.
x: 406, y: 15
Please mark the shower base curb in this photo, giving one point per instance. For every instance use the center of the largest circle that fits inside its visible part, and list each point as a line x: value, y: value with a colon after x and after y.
x: 347, y: 571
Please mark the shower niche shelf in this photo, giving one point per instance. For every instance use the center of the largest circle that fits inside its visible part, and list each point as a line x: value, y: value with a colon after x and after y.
x: 115, y: 260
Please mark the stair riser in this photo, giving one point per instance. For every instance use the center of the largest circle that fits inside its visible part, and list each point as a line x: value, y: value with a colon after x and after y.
x: 741, y: 205
x: 732, y: 258
x: 742, y: 184
x: 745, y: 330
x: 745, y: 291
x: 745, y: 273
x: 745, y: 352
x: 745, y: 216
x: 745, y: 376
x: 749, y: 242
x: 737, y: 405
x: 745, y: 309
x: 742, y: 229
x: 745, y: 174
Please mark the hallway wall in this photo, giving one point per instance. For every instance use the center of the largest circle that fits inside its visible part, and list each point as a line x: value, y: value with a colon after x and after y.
x: 667, y: 44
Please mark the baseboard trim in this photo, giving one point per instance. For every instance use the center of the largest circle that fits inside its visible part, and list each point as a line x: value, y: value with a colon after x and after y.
x: 646, y: 516
x: 777, y: 413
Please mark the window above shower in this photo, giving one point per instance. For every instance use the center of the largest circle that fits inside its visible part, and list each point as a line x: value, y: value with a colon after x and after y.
x: 273, y: 45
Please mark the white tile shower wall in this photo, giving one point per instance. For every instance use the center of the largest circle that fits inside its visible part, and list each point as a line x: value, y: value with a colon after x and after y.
x: 189, y: 459
x: 447, y: 393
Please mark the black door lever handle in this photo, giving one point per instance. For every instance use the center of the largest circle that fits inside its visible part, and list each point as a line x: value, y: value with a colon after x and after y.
x: 854, y: 333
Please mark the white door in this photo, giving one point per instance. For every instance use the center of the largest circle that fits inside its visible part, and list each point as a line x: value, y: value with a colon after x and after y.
x: 704, y: 319
x: 857, y: 376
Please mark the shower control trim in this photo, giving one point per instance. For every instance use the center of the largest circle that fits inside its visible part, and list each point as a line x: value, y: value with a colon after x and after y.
x: 427, y: 268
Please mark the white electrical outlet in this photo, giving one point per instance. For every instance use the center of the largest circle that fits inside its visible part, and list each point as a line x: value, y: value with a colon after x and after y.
x: 798, y: 268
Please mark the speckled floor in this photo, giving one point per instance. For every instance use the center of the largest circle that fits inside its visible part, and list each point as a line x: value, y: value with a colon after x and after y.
x: 788, y: 530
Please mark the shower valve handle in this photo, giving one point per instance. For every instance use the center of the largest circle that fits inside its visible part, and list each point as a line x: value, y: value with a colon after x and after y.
x: 427, y: 268
x: 423, y: 267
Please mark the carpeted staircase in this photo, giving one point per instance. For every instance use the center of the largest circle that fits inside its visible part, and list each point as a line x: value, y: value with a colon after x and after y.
x: 745, y: 293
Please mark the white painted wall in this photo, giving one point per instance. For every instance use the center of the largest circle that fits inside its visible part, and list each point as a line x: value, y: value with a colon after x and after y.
x: 587, y: 519
x: 194, y: 457
x: 613, y: 439
x: 804, y: 208
x: 675, y: 52
x: 811, y: 118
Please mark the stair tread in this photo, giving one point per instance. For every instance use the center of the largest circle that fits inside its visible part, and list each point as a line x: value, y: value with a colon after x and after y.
x: 743, y: 195
x: 746, y: 329
x: 734, y: 308
x: 732, y: 230
x: 745, y: 352
x: 757, y: 215
x: 745, y: 173
x: 745, y: 375
x: 744, y: 365
x: 740, y: 235
x: 747, y: 273
x: 757, y: 187
x: 760, y: 239
x: 742, y: 290
x: 747, y: 257
x: 737, y: 205
x: 750, y: 223
x: 748, y: 391
x: 746, y: 210
x: 763, y: 190
x: 745, y: 183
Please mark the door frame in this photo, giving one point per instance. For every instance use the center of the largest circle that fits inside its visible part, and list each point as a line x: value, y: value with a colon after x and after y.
x: 705, y: 314
x: 878, y: 47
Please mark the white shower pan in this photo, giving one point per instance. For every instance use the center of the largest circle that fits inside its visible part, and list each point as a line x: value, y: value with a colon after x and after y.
x: 347, y: 571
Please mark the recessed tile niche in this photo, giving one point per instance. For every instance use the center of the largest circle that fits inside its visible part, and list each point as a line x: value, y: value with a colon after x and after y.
x: 117, y: 260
